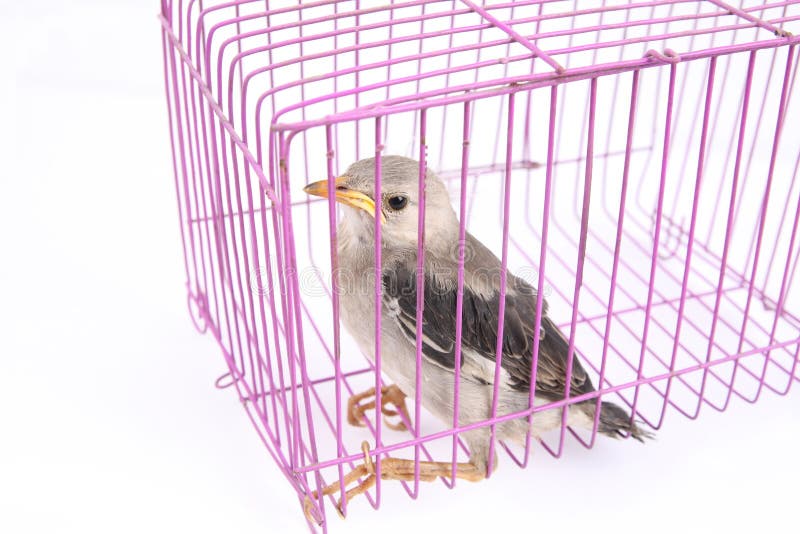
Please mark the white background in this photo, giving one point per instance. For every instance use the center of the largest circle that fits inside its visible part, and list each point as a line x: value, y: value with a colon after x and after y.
x: 109, y: 421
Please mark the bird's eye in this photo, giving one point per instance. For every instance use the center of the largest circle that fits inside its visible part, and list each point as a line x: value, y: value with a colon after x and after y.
x: 397, y: 202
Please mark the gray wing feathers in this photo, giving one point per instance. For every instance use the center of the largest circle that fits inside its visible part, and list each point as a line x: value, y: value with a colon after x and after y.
x: 480, y: 321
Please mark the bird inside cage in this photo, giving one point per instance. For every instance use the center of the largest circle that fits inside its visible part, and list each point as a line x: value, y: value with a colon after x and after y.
x: 398, y: 210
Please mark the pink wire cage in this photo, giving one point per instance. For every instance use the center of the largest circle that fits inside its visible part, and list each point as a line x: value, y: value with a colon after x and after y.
x: 630, y: 158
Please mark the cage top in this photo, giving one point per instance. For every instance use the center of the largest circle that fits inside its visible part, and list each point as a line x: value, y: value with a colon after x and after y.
x: 293, y: 64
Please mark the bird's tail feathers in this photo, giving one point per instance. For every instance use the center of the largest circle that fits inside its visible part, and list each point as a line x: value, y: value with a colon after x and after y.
x: 616, y: 422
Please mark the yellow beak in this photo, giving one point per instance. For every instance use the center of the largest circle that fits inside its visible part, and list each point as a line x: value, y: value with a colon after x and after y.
x: 349, y: 197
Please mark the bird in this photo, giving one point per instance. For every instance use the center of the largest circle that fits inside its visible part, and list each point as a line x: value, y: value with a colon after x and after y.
x: 398, y: 210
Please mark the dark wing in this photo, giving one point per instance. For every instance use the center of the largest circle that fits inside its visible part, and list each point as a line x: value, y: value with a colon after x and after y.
x: 479, y: 329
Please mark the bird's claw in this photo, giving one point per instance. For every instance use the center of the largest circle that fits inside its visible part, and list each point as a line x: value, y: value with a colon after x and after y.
x: 366, y: 469
x: 391, y: 469
x: 389, y: 395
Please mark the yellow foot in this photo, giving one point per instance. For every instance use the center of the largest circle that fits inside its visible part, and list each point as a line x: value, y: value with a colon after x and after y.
x: 389, y: 395
x: 367, y: 469
x: 392, y: 469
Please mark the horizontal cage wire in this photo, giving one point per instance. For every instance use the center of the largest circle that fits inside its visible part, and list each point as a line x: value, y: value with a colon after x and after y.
x: 628, y: 161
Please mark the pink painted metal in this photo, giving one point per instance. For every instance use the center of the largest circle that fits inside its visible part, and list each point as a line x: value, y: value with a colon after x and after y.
x: 630, y: 158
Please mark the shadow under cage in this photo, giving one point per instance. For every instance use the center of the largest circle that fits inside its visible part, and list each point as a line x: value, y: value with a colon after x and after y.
x: 630, y: 161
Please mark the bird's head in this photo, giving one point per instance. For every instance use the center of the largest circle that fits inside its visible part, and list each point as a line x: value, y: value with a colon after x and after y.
x: 399, y: 204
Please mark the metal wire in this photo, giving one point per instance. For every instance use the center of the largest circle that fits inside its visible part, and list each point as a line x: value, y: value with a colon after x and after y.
x: 655, y: 277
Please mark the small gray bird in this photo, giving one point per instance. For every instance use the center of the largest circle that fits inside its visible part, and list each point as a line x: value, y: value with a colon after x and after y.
x: 398, y: 209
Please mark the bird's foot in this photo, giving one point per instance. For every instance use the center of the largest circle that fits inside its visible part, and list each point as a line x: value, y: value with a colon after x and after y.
x: 389, y: 395
x: 391, y: 469
x: 366, y: 470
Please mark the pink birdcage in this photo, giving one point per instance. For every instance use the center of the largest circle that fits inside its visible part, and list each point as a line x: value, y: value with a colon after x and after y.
x: 628, y: 159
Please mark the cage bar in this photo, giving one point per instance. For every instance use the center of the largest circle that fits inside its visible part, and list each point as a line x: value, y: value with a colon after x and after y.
x: 630, y: 160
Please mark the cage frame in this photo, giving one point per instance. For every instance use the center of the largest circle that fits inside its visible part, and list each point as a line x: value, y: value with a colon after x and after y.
x: 188, y: 73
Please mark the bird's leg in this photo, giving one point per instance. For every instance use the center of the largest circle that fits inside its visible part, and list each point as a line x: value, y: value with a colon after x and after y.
x: 389, y: 394
x: 394, y: 469
x: 365, y: 469
x: 401, y: 469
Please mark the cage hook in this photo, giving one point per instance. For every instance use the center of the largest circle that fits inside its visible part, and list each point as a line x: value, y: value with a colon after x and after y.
x: 231, y: 377
x: 668, y: 56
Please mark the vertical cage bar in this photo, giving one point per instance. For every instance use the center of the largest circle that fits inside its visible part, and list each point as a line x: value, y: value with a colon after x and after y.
x: 693, y: 223
x: 462, y: 243
x: 756, y: 137
x: 420, y: 285
x: 779, y: 307
x: 665, y: 154
x: 378, y: 295
x: 305, y: 383
x: 335, y: 304
x: 621, y: 217
x: 776, y: 139
x: 501, y: 312
x: 288, y: 273
x: 584, y: 229
x: 729, y: 228
x: 169, y: 59
x: 232, y: 250
x: 551, y: 139
x: 279, y: 216
x: 791, y: 188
